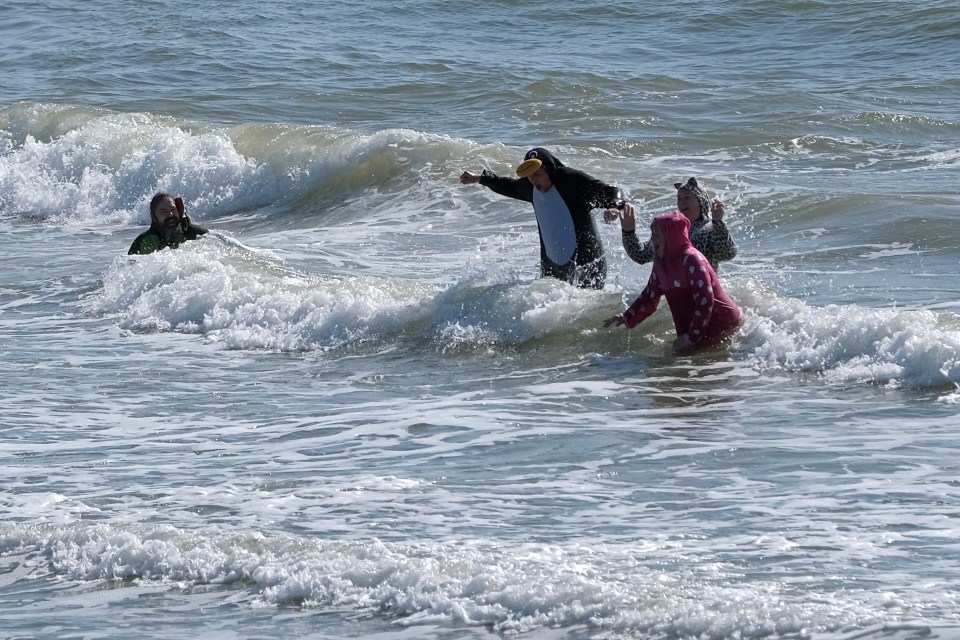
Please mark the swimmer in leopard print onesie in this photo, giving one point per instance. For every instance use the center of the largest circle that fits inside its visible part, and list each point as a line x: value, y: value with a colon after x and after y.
x: 709, y: 234
x: 703, y: 313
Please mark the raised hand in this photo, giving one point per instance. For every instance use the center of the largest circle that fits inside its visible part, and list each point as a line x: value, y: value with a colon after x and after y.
x: 716, y: 210
x: 626, y: 214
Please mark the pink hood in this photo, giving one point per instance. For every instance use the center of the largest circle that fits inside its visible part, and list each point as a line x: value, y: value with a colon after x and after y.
x: 701, y: 309
x: 675, y: 231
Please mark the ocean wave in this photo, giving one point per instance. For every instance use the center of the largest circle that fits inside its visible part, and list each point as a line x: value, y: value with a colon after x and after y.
x: 640, y: 589
x: 69, y: 164
x: 243, y: 299
x: 900, y: 348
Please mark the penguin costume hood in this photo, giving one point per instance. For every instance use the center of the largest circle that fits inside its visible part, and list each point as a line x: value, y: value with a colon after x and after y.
x: 536, y: 158
x: 694, y: 187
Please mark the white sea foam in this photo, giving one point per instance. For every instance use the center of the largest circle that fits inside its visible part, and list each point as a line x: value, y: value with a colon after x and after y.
x: 641, y: 588
x: 850, y: 343
x: 73, y: 165
x: 102, y: 167
x: 245, y: 300
x: 362, y: 415
x: 220, y: 291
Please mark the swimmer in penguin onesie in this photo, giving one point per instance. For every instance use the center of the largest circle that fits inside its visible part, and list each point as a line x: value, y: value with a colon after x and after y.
x: 562, y: 198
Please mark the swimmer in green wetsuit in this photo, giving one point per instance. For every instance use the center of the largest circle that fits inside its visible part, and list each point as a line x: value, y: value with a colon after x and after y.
x: 169, y: 226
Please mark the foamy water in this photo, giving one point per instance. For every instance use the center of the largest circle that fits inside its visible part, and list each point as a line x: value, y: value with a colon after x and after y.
x: 352, y: 410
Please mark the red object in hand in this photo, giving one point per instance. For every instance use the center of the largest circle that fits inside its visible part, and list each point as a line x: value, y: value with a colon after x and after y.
x: 179, y: 203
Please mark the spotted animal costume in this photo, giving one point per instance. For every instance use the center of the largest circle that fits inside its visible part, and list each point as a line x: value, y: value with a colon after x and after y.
x: 710, y: 237
x: 701, y: 309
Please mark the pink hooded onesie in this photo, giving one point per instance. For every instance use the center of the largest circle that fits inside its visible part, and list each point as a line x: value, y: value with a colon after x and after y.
x: 700, y: 307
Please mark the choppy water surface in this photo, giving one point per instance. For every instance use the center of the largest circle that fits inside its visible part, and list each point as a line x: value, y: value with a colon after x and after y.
x: 352, y: 411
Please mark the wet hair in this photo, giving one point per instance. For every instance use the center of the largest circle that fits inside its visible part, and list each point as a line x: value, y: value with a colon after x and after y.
x: 155, y: 201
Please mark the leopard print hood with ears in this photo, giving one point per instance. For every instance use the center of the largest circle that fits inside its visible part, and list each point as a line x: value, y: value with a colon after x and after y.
x: 694, y: 187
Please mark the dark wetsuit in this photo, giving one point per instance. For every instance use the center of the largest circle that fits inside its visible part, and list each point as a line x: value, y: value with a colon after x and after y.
x: 581, y: 193
x: 153, y: 238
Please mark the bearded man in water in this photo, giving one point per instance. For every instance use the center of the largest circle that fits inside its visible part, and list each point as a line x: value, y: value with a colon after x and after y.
x: 169, y: 226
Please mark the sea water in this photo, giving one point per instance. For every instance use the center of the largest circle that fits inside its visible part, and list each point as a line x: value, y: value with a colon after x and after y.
x: 352, y: 410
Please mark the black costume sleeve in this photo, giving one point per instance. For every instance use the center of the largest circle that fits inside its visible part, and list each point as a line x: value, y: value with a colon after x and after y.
x: 517, y: 188
x: 588, y: 192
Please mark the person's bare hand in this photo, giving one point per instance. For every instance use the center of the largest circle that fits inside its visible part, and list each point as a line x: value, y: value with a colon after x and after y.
x: 627, y: 216
x: 717, y: 210
x: 469, y: 178
x: 617, y: 320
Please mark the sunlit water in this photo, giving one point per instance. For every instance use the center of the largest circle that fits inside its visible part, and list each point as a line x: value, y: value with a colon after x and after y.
x: 353, y: 411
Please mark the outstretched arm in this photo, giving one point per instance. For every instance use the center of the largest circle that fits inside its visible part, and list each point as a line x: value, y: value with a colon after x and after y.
x: 601, y: 195
x: 640, y: 252
x: 642, y: 308
x: 517, y: 188
x: 586, y: 192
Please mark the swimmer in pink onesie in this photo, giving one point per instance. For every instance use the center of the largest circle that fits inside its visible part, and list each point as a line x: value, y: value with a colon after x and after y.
x: 703, y: 313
